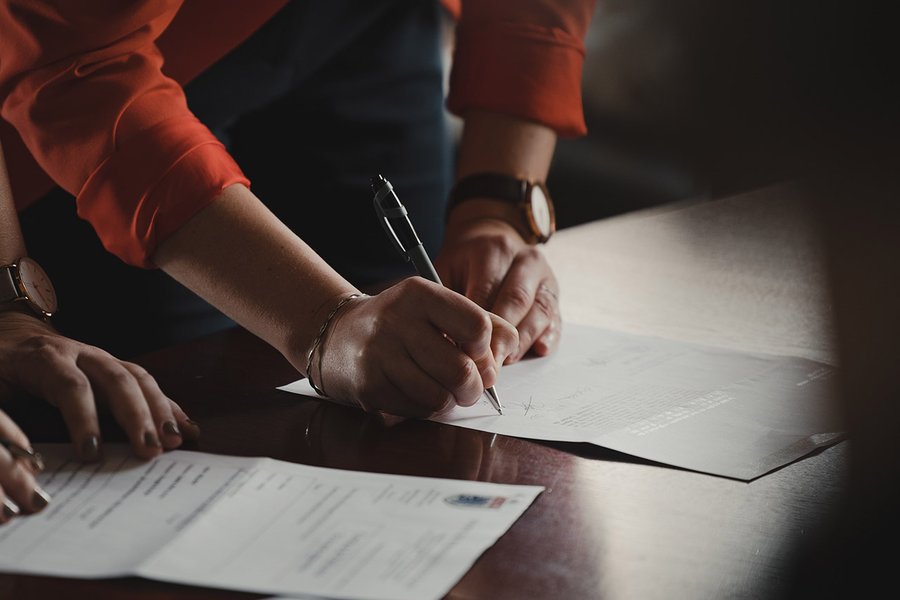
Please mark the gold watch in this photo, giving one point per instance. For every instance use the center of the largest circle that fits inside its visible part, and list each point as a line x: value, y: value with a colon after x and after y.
x: 537, y: 217
x: 25, y: 285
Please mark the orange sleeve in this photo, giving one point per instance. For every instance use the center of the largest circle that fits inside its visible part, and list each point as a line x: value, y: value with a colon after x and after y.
x: 523, y: 58
x: 82, y: 83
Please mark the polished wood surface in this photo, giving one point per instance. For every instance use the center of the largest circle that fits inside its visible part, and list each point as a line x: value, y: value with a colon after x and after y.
x: 741, y: 272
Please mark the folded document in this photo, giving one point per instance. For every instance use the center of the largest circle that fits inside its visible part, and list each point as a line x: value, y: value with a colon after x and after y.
x: 258, y: 524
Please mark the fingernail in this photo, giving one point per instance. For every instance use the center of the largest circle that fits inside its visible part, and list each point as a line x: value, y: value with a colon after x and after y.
x: 39, y: 499
x: 10, y: 509
x: 151, y: 441
x: 170, y: 428
x: 193, y: 422
x: 90, y: 449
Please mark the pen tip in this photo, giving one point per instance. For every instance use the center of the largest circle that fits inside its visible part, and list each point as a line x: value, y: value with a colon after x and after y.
x: 377, y: 181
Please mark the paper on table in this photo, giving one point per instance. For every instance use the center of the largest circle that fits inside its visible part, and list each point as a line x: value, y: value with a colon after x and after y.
x: 702, y: 408
x: 257, y: 524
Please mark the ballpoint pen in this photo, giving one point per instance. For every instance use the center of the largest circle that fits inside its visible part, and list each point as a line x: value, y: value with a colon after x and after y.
x: 405, y: 239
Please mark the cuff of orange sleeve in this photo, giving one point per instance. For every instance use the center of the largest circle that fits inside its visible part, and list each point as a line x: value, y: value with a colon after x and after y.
x: 153, y: 184
x: 521, y: 70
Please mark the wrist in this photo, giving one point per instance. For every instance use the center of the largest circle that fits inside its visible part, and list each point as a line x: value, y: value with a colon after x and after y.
x: 12, y: 321
x: 522, y: 202
x: 315, y: 350
x: 480, y: 211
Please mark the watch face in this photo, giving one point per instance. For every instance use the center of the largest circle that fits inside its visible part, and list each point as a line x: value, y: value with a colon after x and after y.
x: 541, y: 212
x: 37, y: 286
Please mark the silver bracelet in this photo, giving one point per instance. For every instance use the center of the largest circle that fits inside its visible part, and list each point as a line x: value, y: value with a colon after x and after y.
x: 321, y: 336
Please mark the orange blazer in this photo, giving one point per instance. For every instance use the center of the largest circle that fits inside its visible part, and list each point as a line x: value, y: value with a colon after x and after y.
x: 92, y: 97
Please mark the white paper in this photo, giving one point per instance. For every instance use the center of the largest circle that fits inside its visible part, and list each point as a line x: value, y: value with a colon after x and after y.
x: 258, y: 524
x: 702, y: 408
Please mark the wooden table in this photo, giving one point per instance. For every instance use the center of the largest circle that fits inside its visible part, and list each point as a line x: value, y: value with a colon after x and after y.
x: 741, y: 272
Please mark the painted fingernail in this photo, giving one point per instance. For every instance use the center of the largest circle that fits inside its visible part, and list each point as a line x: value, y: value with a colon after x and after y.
x: 90, y: 449
x: 10, y: 509
x: 170, y: 428
x: 151, y: 441
x: 39, y: 499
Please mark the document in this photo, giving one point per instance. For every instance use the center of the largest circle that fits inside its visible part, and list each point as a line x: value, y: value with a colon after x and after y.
x: 707, y: 409
x: 258, y: 525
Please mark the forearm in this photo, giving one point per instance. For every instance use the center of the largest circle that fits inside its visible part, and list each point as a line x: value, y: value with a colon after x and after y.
x: 503, y: 144
x: 239, y: 257
x: 12, y: 245
x: 507, y: 144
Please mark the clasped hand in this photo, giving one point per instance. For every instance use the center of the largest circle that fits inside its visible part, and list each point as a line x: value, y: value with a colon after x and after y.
x: 488, y: 261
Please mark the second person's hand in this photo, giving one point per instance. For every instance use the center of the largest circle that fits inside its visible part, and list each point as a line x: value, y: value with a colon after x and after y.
x: 488, y: 261
x: 76, y: 377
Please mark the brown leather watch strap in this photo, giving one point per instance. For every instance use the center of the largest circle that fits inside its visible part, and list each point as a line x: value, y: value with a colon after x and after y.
x: 488, y: 185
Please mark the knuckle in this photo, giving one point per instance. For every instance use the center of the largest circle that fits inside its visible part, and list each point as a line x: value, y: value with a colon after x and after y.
x: 503, y: 244
x: 508, y: 337
x: 119, y: 377
x: 75, y: 382
x: 135, y: 369
x: 518, y: 296
x: 414, y: 285
x: 483, y: 290
x: 480, y: 326
x: 531, y: 254
x: 144, y: 379
x: 526, y: 337
x: 544, y: 304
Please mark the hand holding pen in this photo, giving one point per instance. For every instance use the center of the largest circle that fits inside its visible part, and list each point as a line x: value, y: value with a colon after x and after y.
x: 389, y: 352
x: 397, y: 225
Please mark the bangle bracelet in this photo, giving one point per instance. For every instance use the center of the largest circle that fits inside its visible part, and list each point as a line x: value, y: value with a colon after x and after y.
x: 320, y: 337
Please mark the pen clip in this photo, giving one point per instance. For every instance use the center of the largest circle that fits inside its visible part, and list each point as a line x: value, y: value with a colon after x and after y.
x: 390, y: 213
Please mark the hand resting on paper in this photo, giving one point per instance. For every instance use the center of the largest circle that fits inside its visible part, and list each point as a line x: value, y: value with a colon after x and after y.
x: 489, y: 262
x: 78, y: 378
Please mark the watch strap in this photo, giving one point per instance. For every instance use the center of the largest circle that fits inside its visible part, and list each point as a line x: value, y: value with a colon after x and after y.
x: 489, y: 185
x: 9, y: 290
x: 511, y: 190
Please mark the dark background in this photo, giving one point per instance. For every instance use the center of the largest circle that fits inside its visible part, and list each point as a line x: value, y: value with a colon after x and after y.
x: 708, y: 98
x: 711, y: 97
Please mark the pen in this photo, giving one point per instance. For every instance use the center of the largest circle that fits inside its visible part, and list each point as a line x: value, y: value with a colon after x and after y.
x: 405, y: 239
